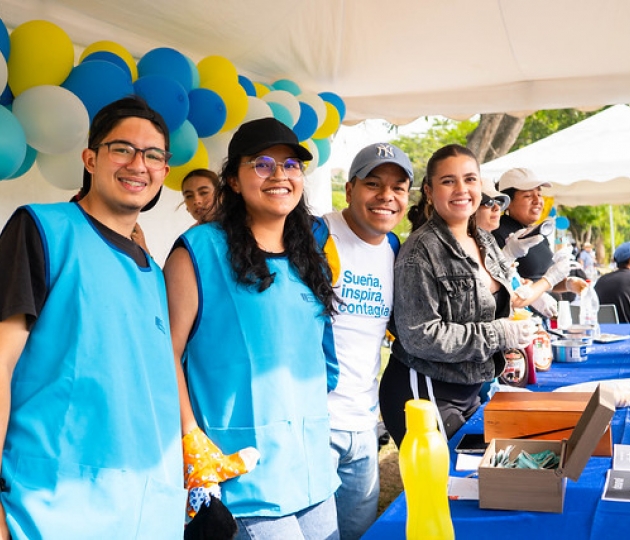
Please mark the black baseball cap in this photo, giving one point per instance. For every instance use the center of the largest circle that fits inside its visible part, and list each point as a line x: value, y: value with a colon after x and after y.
x: 253, y: 137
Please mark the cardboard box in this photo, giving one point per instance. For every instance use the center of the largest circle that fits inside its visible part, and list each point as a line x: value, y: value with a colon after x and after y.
x: 538, y: 415
x: 542, y: 490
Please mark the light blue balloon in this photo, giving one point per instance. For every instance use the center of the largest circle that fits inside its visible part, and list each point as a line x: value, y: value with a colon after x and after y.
x: 12, y: 143
x: 195, y: 73
x: 562, y: 223
x: 281, y: 113
x: 168, y: 62
x: 29, y: 160
x: 184, y: 143
x: 323, y: 147
x: 553, y: 212
x: 288, y: 85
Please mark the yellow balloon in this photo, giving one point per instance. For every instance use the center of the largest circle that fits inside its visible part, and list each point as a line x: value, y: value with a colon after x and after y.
x: 41, y: 53
x: 215, y: 71
x: 176, y: 174
x: 547, y: 206
x: 261, y: 89
x: 114, y: 48
x: 330, y: 124
x: 236, y: 104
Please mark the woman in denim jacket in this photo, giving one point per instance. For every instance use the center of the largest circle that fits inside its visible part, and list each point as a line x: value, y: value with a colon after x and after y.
x: 451, y: 301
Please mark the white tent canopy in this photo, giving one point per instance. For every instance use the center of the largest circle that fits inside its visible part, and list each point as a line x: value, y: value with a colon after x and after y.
x: 396, y: 60
x: 587, y: 163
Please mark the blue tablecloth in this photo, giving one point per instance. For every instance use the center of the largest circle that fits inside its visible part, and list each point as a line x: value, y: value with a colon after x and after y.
x: 604, y: 361
x: 585, y: 516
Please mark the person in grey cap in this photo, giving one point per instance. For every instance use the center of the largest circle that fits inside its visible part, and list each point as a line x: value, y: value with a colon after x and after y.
x: 525, y: 209
x: 614, y: 288
x: 249, y: 296
x: 361, y: 247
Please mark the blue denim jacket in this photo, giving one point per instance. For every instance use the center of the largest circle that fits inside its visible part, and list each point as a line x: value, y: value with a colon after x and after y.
x: 444, y: 316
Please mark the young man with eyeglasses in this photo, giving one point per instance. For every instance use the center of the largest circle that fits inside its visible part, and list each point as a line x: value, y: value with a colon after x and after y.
x: 361, y: 248
x: 89, y: 416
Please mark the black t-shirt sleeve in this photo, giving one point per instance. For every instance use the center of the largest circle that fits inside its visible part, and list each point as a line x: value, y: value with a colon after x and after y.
x: 22, y: 268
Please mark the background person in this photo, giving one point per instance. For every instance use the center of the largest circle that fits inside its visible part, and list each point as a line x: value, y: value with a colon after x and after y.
x: 198, y: 189
x: 451, y: 301
x: 85, y: 352
x: 527, y: 293
x: 525, y: 209
x: 249, y: 295
x: 614, y: 287
x: 361, y: 249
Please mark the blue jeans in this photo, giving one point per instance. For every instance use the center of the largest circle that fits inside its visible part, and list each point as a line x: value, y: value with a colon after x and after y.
x: 356, y: 457
x: 318, y: 522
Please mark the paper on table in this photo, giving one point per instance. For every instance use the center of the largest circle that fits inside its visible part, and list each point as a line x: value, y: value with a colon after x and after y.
x: 617, y: 486
x: 468, y: 462
x: 463, y: 489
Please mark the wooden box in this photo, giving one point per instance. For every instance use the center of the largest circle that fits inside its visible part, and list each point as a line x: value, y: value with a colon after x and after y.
x: 542, y: 490
x: 538, y: 415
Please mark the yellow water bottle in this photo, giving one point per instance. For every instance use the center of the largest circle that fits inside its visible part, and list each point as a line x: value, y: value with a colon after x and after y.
x: 424, y: 467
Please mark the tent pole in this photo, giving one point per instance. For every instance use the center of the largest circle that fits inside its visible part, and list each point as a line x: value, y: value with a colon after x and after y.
x: 612, y: 228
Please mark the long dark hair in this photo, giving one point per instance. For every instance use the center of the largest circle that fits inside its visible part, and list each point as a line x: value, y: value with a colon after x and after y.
x: 249, y: 262
x: 420, y: 213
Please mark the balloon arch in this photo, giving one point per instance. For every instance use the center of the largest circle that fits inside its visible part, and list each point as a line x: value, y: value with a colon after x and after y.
x: 47, y: 103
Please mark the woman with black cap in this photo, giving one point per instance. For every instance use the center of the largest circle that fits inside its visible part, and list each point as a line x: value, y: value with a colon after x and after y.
x: 249, y: 295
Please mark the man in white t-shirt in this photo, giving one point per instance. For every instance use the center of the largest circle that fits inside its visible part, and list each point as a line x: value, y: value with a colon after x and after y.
x: 361, y: 249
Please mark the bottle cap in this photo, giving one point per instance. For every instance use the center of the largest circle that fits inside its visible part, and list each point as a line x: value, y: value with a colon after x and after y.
x: 420, y: 414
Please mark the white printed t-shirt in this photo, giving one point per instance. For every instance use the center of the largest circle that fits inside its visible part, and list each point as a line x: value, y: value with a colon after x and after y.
x: 364, y: 280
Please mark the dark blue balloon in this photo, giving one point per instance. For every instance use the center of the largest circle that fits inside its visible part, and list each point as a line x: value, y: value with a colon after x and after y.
x: 107, y: 56
x: 307, y: 122
x: 168, y: 62
x: 207, y: 111
x: 5, y: 42
x: 166, y: 96
x: 6, y: 98
x: 336, y: 102
x: 248, y: 85
x: 98, y: 83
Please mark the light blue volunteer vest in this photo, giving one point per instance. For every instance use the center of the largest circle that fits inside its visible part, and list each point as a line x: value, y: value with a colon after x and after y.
x: 93, y: 447
x: 257, y: 377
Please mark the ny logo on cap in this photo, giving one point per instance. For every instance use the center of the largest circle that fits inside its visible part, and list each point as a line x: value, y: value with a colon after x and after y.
x: 385, y: 151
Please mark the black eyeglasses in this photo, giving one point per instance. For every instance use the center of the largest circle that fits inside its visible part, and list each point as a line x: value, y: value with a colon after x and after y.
x: 265, y: 166
x: 489, y: 202
x: 123, y: 153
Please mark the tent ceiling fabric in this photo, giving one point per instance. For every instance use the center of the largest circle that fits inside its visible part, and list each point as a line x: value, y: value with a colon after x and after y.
x: 396, y: 60
x: 587, y: 163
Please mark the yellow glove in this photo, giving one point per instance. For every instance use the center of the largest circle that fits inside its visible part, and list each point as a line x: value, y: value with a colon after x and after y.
x: 205, y: 466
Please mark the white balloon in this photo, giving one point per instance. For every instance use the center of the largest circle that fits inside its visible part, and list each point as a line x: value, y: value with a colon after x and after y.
x: 312, y: 148
x: 64, y: 171
x: 4, y: 73
x: 318, y: 104
x: 54, y: 119
x: 257, y: 108
x: 217, y: 148
x: 287, y: 99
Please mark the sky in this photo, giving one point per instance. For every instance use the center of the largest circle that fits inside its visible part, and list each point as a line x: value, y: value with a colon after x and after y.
x: 350, y: 139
